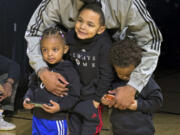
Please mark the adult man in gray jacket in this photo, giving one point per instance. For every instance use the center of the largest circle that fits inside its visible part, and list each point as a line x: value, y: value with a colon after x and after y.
x: 119, y: 14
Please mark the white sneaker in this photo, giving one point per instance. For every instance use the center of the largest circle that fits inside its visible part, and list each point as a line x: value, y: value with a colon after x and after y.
x: 4, y: 125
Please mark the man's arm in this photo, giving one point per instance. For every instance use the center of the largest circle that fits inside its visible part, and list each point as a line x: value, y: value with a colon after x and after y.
x: 11, y: 68
x: 143, y: 28
x: 48, y: 14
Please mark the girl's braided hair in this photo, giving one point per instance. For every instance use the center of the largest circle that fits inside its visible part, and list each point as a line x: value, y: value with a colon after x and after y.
x: 53, y: 31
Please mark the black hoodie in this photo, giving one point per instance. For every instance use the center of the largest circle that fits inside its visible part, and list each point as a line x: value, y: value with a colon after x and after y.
x: 39, y: 94
x: 139, y: 122
x: 91, y: 60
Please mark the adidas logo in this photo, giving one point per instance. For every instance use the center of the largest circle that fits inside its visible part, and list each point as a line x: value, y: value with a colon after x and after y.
x: 94, y: 115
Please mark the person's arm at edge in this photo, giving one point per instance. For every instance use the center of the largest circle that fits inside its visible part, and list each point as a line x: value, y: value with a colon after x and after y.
x: 39, y: 21
x: 11, y: 68
x: 148, y: 36
x: 46, y: 15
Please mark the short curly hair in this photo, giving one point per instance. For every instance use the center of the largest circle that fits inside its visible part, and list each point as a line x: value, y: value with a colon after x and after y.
x: 125, y: 53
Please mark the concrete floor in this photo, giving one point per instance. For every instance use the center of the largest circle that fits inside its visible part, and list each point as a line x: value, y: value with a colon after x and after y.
x: 165, y: 124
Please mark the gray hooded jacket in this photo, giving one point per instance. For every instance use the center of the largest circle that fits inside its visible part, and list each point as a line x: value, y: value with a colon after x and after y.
x: 119, y: 14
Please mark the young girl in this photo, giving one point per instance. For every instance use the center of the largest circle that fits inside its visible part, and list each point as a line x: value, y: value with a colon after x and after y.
x: 49, y: 111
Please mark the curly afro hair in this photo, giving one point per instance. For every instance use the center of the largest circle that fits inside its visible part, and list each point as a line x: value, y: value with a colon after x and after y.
x: 125, y: 53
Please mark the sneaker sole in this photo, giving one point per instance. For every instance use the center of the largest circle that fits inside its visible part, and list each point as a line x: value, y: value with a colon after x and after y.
x: 5, y: 129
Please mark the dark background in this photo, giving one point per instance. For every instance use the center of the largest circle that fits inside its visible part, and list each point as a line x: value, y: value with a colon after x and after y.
x: 15, y: 15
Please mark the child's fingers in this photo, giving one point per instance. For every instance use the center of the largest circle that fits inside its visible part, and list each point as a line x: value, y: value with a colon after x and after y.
x: 28, y: 106
x: 103, y: 100
x: 106, y: 101
x: 53, y: 103
x: 46, y: 108
x: 49, y: 108
x: 111, y: 103
x: 27, y: 99
x: 24, y: 102
x: 54, y: 107
x: 112, y: 91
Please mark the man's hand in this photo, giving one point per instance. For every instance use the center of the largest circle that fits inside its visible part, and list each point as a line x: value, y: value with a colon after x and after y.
x: 6, y: 90
x: 124, y: 97
x: 2, y: 93
x: 51, y: 81
x: 1, y: 89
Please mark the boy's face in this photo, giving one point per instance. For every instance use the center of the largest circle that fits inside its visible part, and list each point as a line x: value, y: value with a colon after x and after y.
x: 124, y: 72
x: 53, y: 49
x: 88, y: 24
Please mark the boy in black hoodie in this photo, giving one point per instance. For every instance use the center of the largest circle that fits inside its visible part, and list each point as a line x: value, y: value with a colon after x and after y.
x: 137, y: 119
x: 89, y: 51
x: 50, y: 112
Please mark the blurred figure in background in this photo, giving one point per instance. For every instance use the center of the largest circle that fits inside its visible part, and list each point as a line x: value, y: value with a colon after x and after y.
x: 12, y: 69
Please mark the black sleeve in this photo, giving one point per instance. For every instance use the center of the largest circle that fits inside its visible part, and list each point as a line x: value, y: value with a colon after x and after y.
x: 67, y: 102
x: 11, y: 67
x: 152, y: 103
x: 29, y: 94
x: 32, y: 85
x: 105, y: 70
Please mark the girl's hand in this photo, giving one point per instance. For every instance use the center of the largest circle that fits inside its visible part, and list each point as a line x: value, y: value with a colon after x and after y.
x: 27, y: 105
x: 51, y: 109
